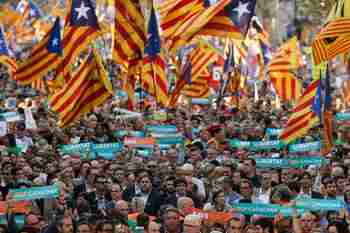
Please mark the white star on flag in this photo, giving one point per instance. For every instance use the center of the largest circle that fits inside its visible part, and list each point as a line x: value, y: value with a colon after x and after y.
x: 55, y: 42
x: 82, y: 11
x: 242, y: 9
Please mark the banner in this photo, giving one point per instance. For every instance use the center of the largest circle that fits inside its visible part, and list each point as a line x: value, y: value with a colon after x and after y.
x: 266, y: 145
x: 144, y: 152
x: 19, y: 219
x: 265, y: 210
x: 200, y: 101
x: 319, y: 204
x: 139, y: 142
x: 273, y: 132
x: 76, y: 148
x: 305, y: 147
x: 161, y: 128
x: 131, y: 133
x: 211, y: 217
x: 239, y: 144
x: 18, y: 207
x: 342, y: 116
x: 107, y: 150
x: 44, y: 192
x: 298, y: 162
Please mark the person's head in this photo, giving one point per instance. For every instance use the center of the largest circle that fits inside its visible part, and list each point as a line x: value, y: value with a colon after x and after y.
x: 212, y: 153
x: 185, y: 204
x: 219, y: 198
x: 235, y: 224
x: 170, y: 184
x: 104, y: 227
x: 340, y: 181
x: 3, y: 229
x: 192, y: 223
x: 171, y: 220
x: 146, y: 184
x: 246, y: 189
x: 83, y: 227
x: 307, y: 222
x: 153, y: 227
x: 180, y: 186
x: 250, y: 166
x: 263, y: 225
x: 306, y: 181
x: 67, y: 226
x: 330, y: 187
x: 266, y: 179
x: 250, y: 228
x: 101, y: 183
x: 116, y: 192
x: 123, y: 208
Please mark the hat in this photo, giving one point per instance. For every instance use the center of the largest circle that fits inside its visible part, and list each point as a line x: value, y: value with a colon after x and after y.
x: 187, y: 167
x: 193, y: 220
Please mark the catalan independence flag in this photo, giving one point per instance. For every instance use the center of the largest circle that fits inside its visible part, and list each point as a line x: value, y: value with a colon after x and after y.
x: 332, y: 40
x: 45, y: 56
x: 130, y: 78
x: 128, y: 33
x: 306, y: 114
x: 199, y: 87
x: 154, y: 79
x: 199, y: 58
x: 88, y: 88
x: 282, y: 71
x: 5, y: 57
x: 327, y: 117
x: 80, y: 29
x: 346, y: 91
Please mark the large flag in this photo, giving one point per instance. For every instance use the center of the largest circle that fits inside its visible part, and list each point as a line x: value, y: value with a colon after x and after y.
x: 199, y: 58
x: 29, y: 7
x: 233, y: 21
x: 130, y: 78
x: 81, y: 27
x: 45, y: 56
x: 306, y: 114
x: 282, y: 71
x: 332, y: 40
x: 346, y: 91
x: 327, y: 117
x: 88, y: 88
x: 199, y: 87
x: 5, y: 57
x: 154, y: 79
x: 128, y: 34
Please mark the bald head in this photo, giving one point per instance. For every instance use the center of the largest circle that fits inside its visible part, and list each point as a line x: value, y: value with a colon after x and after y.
x: 153, y: 227
x: 184, y: 204
x: 122, y: 207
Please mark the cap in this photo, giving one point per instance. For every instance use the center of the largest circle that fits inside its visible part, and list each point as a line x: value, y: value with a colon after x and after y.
x: 214, y: 129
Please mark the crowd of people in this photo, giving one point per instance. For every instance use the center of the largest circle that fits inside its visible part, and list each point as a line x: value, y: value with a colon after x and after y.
x: 171, y: 190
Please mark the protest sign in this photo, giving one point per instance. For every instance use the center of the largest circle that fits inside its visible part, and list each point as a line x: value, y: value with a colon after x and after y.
x: 139, y: 142
x: 305, y: 147
x: 34, y: 193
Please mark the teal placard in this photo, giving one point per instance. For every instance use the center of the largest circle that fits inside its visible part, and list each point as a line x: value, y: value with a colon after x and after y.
x: 266, y: 145
x: 319, y: 204
x: 305, y: 147
x: 273, y: 132
x: 298, y: 162
x: 266, y: 210
x: 342, y: 116
x: 33, y: 193
x: 76, y: 148
x: 239, y: 144
x: 161, y: 128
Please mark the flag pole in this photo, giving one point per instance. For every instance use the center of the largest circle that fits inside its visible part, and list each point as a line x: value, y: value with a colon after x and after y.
x: 154, y: 85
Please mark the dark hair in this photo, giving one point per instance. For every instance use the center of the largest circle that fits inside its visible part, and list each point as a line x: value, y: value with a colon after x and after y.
x: 143, y: 220
x: 305, y: 174
x: 341, y: 226
x: 216, y: 194
x: 265, y: 223
x: 180, y: 181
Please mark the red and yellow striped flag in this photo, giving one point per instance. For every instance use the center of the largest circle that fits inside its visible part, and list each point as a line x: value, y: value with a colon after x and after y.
x: 134, y: 70
x: 200, y: 58
x: 346, y: 91
x: 282, y: 71
x: 128, y: 33
x: 303, y: 117
x: 45, y: 56
x: 332, y: 40
x: 199, y: 87
x: 80, y: 30
x: 88, y: 88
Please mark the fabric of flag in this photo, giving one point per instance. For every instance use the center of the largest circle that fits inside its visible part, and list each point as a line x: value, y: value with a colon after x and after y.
x: 195, y: 22
x: 332, y: 40
x: 81, y: 28
x: 154, y: 79
x: 200, y: 58
x: 233, y: 21
x: 175, y: 13
x: 130, y: 79
x: 282, y: 71
x: 327, y: 117
x: 199, y: 87
x: 230, y: 60
x: 34, y: 10
x: 346, y: 91
x: 129, y: 33
x: 5, y: 57
x: 38, y: 85
x: 45, y: 56
x: 306, y: 114
x: 88, y: 88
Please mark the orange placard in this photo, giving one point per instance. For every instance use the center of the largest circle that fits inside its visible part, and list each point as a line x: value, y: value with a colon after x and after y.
x: 19, y: 207
x: 139, y: 142
x: 211, y: 217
